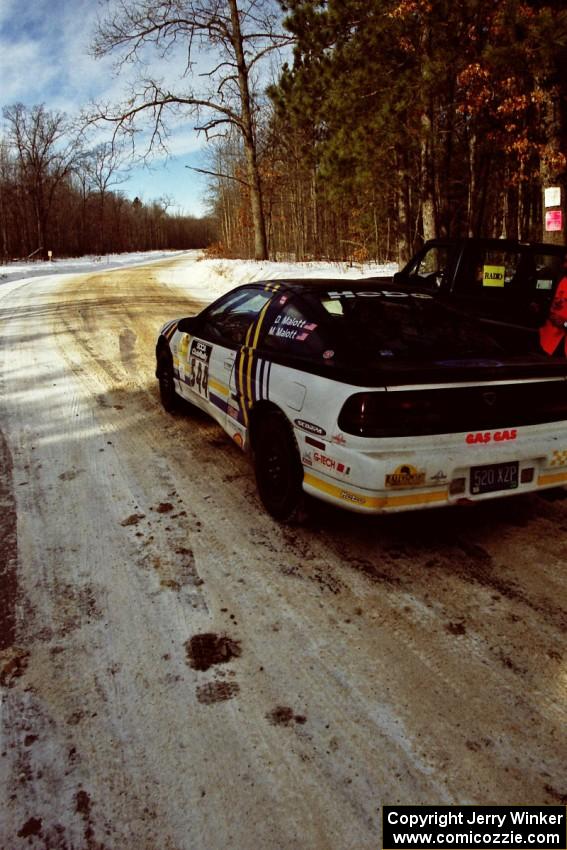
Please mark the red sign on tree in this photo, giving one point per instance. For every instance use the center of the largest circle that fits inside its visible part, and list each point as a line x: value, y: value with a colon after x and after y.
x: 554, y: 220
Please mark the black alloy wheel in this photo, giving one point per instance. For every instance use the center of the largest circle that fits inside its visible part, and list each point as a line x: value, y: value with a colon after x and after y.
x: 279, y: 473
x: 169, y: 398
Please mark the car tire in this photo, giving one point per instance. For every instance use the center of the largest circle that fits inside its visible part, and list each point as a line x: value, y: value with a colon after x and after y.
x: 278, y: 469
x: 169, y: 398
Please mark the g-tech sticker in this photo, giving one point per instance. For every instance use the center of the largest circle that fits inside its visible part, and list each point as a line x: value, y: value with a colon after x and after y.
x: 310, y: 427
x: 199, y: 357
x: 331, y: 463
x: 405, y: 476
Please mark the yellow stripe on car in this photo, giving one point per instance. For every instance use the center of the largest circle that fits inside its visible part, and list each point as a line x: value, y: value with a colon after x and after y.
x: 345, y: 495
x: 552, y: 478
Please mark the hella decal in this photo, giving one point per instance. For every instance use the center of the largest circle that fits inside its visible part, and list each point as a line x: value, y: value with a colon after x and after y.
x: 310, y: 427
x: 352, y: 497
x: 405, y: 476
x: 491, y: 436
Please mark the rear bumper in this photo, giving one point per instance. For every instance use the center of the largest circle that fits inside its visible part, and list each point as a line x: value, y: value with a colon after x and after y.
x: 426, y: 475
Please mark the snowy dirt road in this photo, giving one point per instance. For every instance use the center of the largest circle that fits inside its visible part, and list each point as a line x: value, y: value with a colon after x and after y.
x: 179, y: 672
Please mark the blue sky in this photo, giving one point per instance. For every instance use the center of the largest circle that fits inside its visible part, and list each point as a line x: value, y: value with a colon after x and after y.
x: 44, y: 58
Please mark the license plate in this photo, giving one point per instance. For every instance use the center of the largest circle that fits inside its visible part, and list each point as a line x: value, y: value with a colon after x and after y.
x: 497, y: 476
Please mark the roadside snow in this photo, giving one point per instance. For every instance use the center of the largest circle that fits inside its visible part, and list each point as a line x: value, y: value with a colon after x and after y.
x: 208, y: 279
x: 80, y: 265
x: 202, y: 279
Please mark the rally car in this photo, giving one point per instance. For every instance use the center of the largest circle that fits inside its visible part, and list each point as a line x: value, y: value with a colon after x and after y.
x: 371, y: 396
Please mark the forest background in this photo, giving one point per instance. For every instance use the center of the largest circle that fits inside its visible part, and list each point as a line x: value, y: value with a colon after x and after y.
x: 338, y: 130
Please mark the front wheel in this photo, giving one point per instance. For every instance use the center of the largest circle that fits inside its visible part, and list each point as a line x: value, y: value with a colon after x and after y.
x: 279, y: 473
x: 169, y: 398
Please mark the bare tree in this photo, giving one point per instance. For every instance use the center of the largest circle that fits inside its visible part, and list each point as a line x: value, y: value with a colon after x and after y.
x: 231, y: 36
x: 102, y: 166
x: 46, y: 150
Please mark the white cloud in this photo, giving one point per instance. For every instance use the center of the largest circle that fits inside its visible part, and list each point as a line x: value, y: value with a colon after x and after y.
x: 23, y: 71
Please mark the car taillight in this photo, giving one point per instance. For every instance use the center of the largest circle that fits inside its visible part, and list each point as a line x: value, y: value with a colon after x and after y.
x: 386, y: 414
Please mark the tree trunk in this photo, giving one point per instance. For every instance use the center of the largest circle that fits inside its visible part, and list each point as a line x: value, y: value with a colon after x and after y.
x: 427, y: 180
x: 552, y: 168
x: 258, y: 219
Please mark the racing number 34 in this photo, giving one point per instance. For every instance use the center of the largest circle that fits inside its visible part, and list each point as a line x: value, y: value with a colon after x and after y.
x: 199, y: 356
x: 199, y: 376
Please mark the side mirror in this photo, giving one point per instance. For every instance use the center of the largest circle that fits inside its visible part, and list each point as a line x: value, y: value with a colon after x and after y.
x: 188, y: 325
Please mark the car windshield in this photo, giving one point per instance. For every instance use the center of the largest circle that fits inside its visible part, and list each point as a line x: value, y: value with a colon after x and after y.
x: 367, y: 328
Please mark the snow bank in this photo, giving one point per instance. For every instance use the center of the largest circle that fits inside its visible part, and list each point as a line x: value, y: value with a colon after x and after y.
x: 207, y: 279
x: 22, y: 269
x: 203, y: 280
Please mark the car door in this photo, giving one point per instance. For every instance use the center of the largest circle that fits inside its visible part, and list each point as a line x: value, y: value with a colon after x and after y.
x: 207, y: 356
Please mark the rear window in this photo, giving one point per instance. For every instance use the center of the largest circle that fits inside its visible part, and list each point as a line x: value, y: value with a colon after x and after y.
x: 367, y: 328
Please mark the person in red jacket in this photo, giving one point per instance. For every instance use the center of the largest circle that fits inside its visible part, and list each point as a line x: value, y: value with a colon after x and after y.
x: 554, y: 331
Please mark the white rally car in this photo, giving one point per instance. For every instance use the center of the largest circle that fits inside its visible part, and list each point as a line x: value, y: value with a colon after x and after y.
x: 370, y: 397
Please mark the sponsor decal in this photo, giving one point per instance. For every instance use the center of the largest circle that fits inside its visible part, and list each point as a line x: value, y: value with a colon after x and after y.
x: 352, y: 497
x: 310, y: 427
x: 491, y: 436
x: 201, y: 350
x: 559, y: 458
x: 307, y: 460
x: 184, y: 347
x: 338, y: 440
x: 405, y: 476
x: 472, y: 362
x: 382, y: 293
x: 232, y: 411
x: 331, y: 463
x: 439, y: 476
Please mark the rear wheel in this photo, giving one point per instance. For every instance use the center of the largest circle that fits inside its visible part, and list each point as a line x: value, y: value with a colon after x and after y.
x: 169, y: 398
x: 279, y: 473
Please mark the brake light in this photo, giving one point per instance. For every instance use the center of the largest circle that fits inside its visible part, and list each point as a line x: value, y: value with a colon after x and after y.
x: 384, y: 413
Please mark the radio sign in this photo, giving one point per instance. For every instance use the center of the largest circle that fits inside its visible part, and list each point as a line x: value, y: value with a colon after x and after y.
x: 493, y: 275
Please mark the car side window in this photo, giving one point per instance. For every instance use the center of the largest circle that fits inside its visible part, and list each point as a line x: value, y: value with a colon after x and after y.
x: 228, y: 321
x: 432, y: 267
x: 291, y: 331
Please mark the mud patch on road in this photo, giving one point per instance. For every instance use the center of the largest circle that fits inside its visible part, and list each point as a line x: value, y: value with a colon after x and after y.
x: 283, y: 715
x: 133, y: 519
x: 33, y: 826
x: 13, y: 664
x: 73, y: 606
x: 455, y: 628
x: 70, y: 475
x: 163, y: 508
x: 214, y: 692
x: 8, y: 548
x: 206, y: 650
x: 127, y: 346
